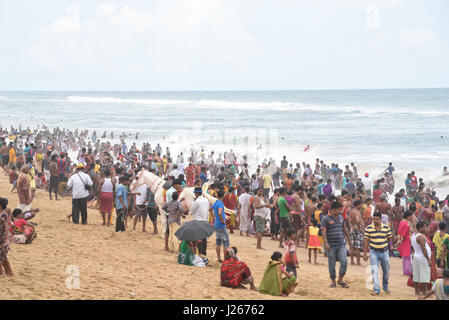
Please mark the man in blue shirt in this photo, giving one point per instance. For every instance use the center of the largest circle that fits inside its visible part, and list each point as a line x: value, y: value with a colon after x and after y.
x: 220, y: 225
x: 121, y: 203
x: 203, y: 176
x: 390, y: 169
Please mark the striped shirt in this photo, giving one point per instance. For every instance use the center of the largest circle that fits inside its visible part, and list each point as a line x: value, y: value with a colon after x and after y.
x: 378, y: 240
x: 334, y: 230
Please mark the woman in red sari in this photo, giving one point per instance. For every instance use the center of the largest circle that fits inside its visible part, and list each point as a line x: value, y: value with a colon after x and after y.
x: 234, y: 273
x: 404, y: 245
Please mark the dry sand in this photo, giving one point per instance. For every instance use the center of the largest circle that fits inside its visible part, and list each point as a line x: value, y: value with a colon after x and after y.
x: 134, y: 265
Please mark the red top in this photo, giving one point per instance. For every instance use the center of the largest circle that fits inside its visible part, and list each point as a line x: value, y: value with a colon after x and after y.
x: 376, y: 195
x: 230, y: 201
x: 290, y: 252
x: 20, y: 223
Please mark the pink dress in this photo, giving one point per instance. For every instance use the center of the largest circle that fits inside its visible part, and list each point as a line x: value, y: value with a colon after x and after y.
x: 404, y: 231
x: 405, y: 247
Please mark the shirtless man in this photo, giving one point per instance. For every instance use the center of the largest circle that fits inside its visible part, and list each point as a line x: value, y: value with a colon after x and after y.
x: 357, y: 224
x: 297, y: 206
x: 384, y: 208
x: 398, y: 213
x: 346, y: 198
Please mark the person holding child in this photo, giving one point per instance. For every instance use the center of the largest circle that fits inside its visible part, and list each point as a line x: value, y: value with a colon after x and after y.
x: 272, y: 282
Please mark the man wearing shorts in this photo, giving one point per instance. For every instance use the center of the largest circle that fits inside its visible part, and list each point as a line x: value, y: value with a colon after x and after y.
x: 284, y: 216
x: 356, y: 221
x: 220, y: 225
x: 261, y: 209
x: 141, y: 203
x: 152, y: 209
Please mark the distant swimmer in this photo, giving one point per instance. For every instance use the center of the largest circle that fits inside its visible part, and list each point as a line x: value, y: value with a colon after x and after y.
x: 259, y: 147
x: 307, y: 148
x: 445, y: 172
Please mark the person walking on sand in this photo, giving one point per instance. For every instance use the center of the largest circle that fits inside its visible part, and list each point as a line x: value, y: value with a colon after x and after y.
x: 334, y: 233
x: 377, y: 237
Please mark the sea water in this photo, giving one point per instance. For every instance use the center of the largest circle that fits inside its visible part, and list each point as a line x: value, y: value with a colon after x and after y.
x: 408, y: 127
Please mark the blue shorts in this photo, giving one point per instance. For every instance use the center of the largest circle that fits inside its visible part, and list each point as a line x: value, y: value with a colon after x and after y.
x: 222, y: 237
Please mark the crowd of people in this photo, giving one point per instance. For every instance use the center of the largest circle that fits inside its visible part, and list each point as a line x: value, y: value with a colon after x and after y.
x: 322, y: 207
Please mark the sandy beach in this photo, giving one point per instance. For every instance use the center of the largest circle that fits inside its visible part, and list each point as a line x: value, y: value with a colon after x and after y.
x: 134, y: 265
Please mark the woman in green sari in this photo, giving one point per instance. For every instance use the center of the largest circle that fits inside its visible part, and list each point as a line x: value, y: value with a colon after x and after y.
x: 272, y: 282
x: 186, y: 255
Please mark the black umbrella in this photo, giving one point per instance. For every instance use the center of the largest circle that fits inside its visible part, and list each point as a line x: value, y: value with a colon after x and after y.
x: 194, y: 230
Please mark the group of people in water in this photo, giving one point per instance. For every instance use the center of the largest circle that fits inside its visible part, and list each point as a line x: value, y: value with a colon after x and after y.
x: 320, y: 207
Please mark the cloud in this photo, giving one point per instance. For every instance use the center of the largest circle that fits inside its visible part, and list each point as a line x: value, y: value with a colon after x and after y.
x: 417, y: 37
x: 174, y: 36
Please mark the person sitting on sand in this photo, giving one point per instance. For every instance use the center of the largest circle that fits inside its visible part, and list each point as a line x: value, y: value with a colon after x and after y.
x: 186, y: 250
x: 272, y: 281
x: 20, y: 225
x: 440, y: 288
x: 235, y: 273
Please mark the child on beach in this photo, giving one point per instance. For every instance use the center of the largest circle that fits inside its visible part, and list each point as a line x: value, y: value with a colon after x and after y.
x: 174, y: 210
x: 290, y: 257
x: 313, y: 241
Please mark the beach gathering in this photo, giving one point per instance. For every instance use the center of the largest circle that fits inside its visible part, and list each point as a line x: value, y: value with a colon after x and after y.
x: 328, y: 209
x: 231, y: 158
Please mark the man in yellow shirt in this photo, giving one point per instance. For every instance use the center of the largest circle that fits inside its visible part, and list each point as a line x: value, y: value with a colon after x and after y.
x: 12, y: 156
x: 267, y: 184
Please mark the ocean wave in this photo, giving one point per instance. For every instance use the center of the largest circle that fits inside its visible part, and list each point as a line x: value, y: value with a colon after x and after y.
x: 125, y: 100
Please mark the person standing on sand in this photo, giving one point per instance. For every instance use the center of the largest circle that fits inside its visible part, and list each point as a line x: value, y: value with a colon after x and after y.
x: 243, y: 206
x: 106, y: 190
x: 220, y: 225
x: 377, y: 237
x: 5, y: 236
x: 24, y: 189
x: 284, y: 216
x: 421, y: 259
x: 80, y: 183
x: 357, y: 224
x: 334, y: 233
x: 261, y: 209
x: 200, y: 210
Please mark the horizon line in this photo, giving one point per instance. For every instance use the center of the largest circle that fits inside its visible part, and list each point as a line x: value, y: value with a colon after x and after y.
x: 227, y: 90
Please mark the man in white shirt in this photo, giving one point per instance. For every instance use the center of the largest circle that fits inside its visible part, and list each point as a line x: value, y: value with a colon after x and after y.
x: 141, y: 206
x: 368, y: 184
x: 80, y: 193
x: 243, y: 206
x: 175, y: 172
x: 200, y: 209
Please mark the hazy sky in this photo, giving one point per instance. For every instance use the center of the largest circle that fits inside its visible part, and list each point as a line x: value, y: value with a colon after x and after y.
x: 223, y: 44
